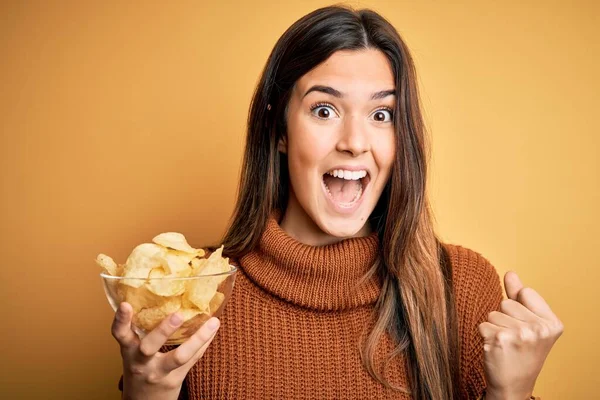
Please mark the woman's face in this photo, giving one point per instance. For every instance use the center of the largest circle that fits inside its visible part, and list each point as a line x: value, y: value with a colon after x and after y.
x: 340, y: 146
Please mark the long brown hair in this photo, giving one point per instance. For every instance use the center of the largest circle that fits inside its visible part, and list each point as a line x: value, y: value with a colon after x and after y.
x: 416, y: 305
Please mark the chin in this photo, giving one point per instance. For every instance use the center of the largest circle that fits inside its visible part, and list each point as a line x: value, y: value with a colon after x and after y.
x: 341, y: 226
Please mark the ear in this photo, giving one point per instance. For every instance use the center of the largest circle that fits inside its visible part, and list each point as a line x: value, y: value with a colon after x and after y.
x: 282, y: 145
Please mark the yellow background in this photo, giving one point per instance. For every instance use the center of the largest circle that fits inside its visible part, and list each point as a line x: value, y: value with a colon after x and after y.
x: 122, y: 120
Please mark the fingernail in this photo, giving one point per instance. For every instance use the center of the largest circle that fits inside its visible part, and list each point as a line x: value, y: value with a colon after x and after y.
x: 175, y: 319
x: 212, y: 324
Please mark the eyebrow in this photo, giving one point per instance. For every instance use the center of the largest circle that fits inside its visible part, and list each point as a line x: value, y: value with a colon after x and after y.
x: 336, y: 93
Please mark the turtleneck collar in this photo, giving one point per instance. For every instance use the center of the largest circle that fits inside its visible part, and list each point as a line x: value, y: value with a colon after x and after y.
x: 326, y: 278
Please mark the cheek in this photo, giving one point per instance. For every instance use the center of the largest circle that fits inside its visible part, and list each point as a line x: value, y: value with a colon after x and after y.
x: 385, y: 152
x: 301, y: 163
x: 307, y: 147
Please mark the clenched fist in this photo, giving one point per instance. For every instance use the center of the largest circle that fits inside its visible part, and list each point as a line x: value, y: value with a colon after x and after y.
x: 517, y: 340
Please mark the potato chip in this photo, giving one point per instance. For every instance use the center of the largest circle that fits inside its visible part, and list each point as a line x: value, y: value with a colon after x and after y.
x: 164, y: 287
x: 198, y: 264
x: 177, y: 263
x: 141, y: 261
x: 213, y: 304
x: 188, y: 313
x: 108, y: 264
x: 200, y: 292
x: 218, y: 253
x: 215, y: 264
x: 149, y: 287
x: 185, y: 302
x: 216, y: 302
x: 191, y: 325
x: 121, y: 291
x: 176, y: 241
x: 187, y: 257
x: 141, y: 297
x: 150, y: 318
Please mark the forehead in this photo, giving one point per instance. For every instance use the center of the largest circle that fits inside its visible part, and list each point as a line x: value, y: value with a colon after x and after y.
x: 351, y: 71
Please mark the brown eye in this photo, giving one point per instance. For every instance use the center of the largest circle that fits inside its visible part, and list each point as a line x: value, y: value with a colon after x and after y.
x: 323, y: 111
x: 380, y: 115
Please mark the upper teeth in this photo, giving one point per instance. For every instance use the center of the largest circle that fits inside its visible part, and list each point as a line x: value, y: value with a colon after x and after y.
x: 348, y: 175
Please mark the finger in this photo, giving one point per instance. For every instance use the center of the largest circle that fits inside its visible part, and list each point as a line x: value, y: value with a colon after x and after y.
x: 512, y: 285
x: 536, y: 303
x: 196, y: 344
x: 488, y: 331
x: 198, y: 355
x: 121, y: 326
x: 518, y: 311
x: 500, y: 319
x: 498, y: 339
x: 154, y: 340
x: 185, y: 368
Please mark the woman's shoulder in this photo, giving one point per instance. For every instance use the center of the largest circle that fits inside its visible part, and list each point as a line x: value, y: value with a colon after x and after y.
x: 473, y: 275
x: 467, y: 263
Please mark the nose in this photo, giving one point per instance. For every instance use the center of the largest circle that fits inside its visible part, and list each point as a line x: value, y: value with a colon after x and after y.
x: 354, y: 138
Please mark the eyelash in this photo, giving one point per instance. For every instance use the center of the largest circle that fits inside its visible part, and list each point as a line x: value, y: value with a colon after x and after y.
x: 317, y: 105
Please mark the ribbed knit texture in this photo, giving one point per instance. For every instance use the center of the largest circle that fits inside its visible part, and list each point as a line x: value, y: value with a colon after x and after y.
x: 292, y: 327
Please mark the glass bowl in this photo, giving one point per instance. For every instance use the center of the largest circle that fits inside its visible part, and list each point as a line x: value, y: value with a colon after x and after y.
x: 194, y: 298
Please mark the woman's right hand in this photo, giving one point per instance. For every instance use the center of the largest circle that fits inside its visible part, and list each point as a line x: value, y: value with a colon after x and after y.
x: 148, y: 373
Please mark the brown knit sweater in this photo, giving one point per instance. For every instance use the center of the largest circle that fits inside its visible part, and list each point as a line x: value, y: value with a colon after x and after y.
x: 292, y: 326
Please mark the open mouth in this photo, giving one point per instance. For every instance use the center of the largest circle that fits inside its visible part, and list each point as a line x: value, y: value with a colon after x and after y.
x: 345, y: 188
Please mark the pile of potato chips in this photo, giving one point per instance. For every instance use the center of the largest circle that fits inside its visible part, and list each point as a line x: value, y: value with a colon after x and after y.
x: 169, y: 256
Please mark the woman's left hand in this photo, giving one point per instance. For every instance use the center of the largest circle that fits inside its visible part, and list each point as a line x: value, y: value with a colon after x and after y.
x: 517, y: 340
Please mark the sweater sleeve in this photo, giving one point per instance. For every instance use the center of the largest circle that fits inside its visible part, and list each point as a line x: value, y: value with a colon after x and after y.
x: 478, y: 292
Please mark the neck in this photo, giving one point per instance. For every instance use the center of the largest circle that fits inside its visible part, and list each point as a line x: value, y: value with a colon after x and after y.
x: 300, y: 226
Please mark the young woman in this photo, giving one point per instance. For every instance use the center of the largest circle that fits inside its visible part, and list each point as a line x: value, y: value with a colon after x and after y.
x: 344, y: 290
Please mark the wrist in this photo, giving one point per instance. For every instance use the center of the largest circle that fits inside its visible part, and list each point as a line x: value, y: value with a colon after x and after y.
x: 136, y: 387
x: 157, y: 396
x: 492, y: 394
x: 150, y: 393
